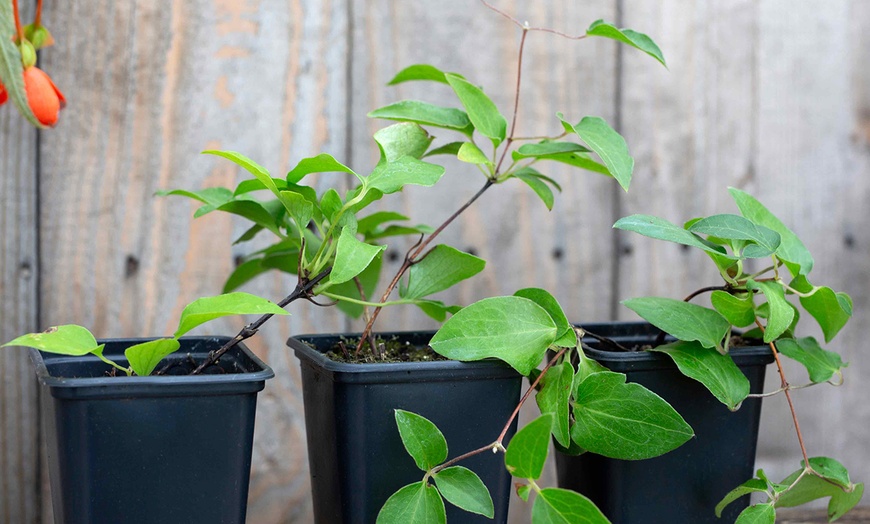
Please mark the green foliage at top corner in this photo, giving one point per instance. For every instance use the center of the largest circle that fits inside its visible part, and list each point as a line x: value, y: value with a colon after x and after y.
x: 627, y: 36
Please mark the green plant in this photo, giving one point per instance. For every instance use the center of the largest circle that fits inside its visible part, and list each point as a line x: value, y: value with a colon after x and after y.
x: 759, y: 300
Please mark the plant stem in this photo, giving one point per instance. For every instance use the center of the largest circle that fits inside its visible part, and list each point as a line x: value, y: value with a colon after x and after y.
x: 37, y: 21
x: 303, y: 288
x: 18, y: 30
x: 510, y: 137
x: 366, y: 302
x: 705, y: 290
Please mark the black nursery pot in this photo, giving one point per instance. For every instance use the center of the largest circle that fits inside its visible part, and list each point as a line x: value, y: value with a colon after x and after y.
x: 142, y: 450
x: 355, y: 453
x: 683, y: 485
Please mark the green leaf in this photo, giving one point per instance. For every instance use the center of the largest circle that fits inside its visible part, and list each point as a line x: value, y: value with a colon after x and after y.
x: 205, y: 309
x: 405, y: 139
x: 735, y: 227
x: 843, y: 501
x: 585, y: 367
x: 831, y: 310
x: 351, y: 257
x: 562, y: 506
x: 68, y: 339
x: 144, y: 357
x: 464, y: 489
x: 482, y: 112
x: 717, y: 372
x: 820, y: 363
x: 243, y: 273
x: 472, y: 154
x: 538, y: 186
x: 831, y: 470
x: 419, y: 72
x: 298, y: 207
x: 527, y: 451
x: 513, y: 329
x: 442, y: 268
x: 828, y: 478
x: 451, y: 148
x: 321, y: 163
x: 682, y: 320
x: 661, y: 229
x: 393, y: 176
x: 553, y: 398
x: 425, y: 114
x: 740, y: 312
x: 791, y: 250
x: 370, y: 223
x: 607, y: 144
x: 249, y: 185
x: 423, y: 440
x: 566, y: 336
x: 254, y: 211
x: 781, y: 311
x: 213, y: 196
x: 523, y: 491
x: 369, y: 280
x: 259, y: 172
x: 436, y: 309
x: 416, y: 502
x: 757, y: 514
x: 11, y: 68
x: 750, y: 486
x: 627, y: 36
x: 625, y: 421
x: 546, y: 148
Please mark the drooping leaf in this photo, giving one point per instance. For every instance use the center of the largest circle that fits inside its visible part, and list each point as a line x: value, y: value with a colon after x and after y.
x: 538, y: 186
x: 469, y: 152
x: 451, y: 148
x: 213, y: 196
x: 683, y: 320
x: 625, y: 421
x: 527, y: 451
x: 482, y: 112
x: 546, y: 148
x: 757, y: 514
x: 425, y: 114
x: 417, y: 502
x: 419, y: 72
x: 371, y: 222
x: 821, y: 364
x: 553, y: 398
x: 205, y: 309
x: 513, y: 329
x: 436, y: 309
x: 11, y: 68
x: 831, y: 310
x: 562, y: 506
x: 404, y: 139
x: 736, y: 227
x: 351, y: 257
x: 68, y: 339
x: 144, y: 357
x: 464, y: 489
x: 607, y: 144
x: 781, y: 312
x: 442, y: 268
x: 321, y: 163
x: 579, y: 159
x: 740, y: 312
x: 828, y: 478
x: 253, y: 210
x: 393, y: 176
x: 566, y: 336
x: 717, y: 372
x: 423, y: 440
x: 750, y: 486
x: 627, y: 36
x: 661, y: 229
x: 842, y: 502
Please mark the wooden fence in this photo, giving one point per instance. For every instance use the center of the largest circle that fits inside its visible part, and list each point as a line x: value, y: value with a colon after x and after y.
x: 771, y: 96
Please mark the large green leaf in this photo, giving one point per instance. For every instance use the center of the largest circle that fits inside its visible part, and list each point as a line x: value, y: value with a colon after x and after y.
x: 820, y: 363
x: 740, y: 312
x: 562, y: 506
x: 567, y: 337
x: 757, y: 514
x: 750, y: 486
x: 791, y: 250
x: 683, y: 320
x: 321, y: 163
x: 627, y: 36
x: 482, y: 112
x: 425, y: 114
x: 11, y: 68
x: 828, y: 478
x: 351, y: 257
x: 831, y: 310
x: 717, y: 372
x: 403, y: 139
x: 553, y: 398
x: 419, y: 72
x: 513, y: 329
x: 417, y: 502
x: 625, y: 421
x: 423, y: 440
x: 205, y: 309
x: 68, y: 339
x: 527, y: 451
x: 464, y: 489
x: 535, y: 182
x: 781, y: 313
x: 736, y: 227
x: 442, y: 268
x: 607, y: 144
x: 661, y: 229
x: 393, y: 176
x: 144, y: 357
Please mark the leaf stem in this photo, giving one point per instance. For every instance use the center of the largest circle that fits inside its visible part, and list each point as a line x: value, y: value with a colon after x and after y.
x: 526, y: 27
x: 366, y: 302
x: 113, y: 364
x: 37, y: 21
x: 780, y: 390
x: 17, y: 16
x: 705, y: 290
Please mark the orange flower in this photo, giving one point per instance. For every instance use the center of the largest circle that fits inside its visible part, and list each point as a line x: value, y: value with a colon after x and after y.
x: 44, y: 98
x: 3, y: 95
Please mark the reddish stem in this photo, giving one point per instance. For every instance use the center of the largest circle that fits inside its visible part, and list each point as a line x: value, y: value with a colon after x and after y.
x: 37, y: 21
x: 18, y: 29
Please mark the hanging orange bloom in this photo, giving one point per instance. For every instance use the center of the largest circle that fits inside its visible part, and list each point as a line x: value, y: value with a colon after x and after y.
x: 44, y: 98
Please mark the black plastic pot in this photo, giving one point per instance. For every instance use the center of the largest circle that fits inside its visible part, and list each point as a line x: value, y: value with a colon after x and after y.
x: 142, y: 450
x: 356, y: 456
x: 686, y: 484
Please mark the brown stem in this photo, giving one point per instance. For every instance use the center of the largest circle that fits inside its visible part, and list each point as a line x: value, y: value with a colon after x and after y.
x: 510, y: 137
x: 527, y: 28
x: 18, y: 30
x: 37, y: 21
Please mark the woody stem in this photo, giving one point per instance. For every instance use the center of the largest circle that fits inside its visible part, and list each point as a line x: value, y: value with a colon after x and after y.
x: 37, y: 21
x: 18, y: 30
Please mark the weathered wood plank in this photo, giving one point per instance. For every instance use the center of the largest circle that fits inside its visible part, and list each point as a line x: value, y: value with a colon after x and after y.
x: 802, y: 516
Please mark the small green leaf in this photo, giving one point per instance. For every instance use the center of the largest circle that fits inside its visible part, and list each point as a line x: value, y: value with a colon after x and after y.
x: 820, y: 363
x: 404, y: 139
x: 425, y: 114
x: 553, y: 398
x: 417, y: 502
x: 11, y: 68
x: 321, y: 163
x: 627, y: 36
x: 254, y: 211
x: 482, y: 112
x: 538, y: 186
x: 205, y: 309
x: 472, y: 154
x: 370, y: 223
x: 546, y: 148
x: 562, y: 506
x: 442, y: 268
x: 585, y: 367
x: 566, y: 337
x: 715, y: 371
x: 781, y: 311
x: 750, y: 486
x: 683, y: 320
x: 393, y: 176
x: 757, y: 514
x: 423, y: 440
x: 607, y: 144
x: 740, y: 312
x: 625, y: 421
x: 513, y: 329
x: 419, y: 72
x: 299, y: 208
x: 144, y: 357
x: 259, y: 172
x: 351, y: 257
x: 68, y: 339
x: 464, y: 489
x: 451, y: 148
x: 661, y: 229
x: 735, y: 227
x: 523, y: 491
x: 831, y: 310
x: 436, y: 309
x: 527, y: 451
x: 831, y: 470
x: 213, y: 196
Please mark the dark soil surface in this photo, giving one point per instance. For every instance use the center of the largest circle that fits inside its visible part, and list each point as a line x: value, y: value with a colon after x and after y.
x: 388, y: 350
